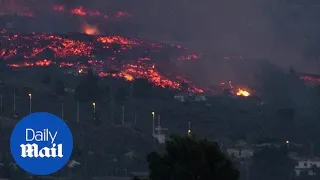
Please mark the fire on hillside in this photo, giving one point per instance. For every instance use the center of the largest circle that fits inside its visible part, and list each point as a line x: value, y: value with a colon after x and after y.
x: 114, y: 56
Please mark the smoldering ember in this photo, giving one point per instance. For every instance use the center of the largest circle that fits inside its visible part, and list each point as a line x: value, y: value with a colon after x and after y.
x: 126, y: 76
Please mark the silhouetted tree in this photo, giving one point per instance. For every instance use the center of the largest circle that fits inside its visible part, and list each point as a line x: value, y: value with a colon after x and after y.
x: 107, y: 92
x: 163, y: 93
x: 142, y: 88
x: 189, y: 158
x: 88, y: 89
x: 59, y: 87
x: 121, y: 95
x: 272, y: 163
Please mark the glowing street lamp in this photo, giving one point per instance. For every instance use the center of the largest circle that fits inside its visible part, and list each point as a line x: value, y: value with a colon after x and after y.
x: 30, y: 103
x: 94, y: 110
x: 189, y: 129
x: 153, y: 115
x: 94, y: 107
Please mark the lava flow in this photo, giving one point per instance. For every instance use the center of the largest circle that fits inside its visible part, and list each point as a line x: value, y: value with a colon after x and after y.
x: 114, y: 56
x: 31, y: 10
x: 81, y: 11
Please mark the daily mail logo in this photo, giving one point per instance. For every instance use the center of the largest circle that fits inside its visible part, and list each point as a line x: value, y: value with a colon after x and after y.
x: 41, y: 143
x: 33, y: 150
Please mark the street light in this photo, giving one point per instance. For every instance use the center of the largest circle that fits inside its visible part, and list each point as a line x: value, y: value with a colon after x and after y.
x: 189, y: 129
x: 30, y: 103
x: 153, y: 114
x: 94, y: 107
x: 94, y: 110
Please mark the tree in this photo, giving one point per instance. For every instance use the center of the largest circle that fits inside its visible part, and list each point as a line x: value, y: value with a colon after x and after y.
x: 59, y: 87
x: 142, y: 88
x: 189, y: 158
x: 272, y: 163
x: 121, y: 95
x: 88, y: 89
x: 107, y: 92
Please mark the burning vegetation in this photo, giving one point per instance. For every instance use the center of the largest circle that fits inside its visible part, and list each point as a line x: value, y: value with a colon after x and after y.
x: 242, y: 92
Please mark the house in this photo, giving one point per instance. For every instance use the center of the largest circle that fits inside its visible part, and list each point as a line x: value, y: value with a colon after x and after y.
x: 190, y: 98
x: 69, y: 90
x: 180, y: 98
x: 200, y: 98
x: 159, y: 135
x: 161, y: 138
x: 307, y: 165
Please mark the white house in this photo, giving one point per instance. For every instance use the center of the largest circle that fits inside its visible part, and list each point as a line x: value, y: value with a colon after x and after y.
x: 180, y: 98
x: 307, y: 165
x: 69, y: 90
x: 190, y: 97
x: 159, y: 135
x: 200, y: 98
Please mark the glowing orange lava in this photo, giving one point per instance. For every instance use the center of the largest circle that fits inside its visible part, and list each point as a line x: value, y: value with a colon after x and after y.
x: 24, y: 10
x: 114, y: 56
